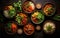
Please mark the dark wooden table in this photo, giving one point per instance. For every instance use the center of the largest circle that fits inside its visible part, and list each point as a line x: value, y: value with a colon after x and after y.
x: 36, y: 34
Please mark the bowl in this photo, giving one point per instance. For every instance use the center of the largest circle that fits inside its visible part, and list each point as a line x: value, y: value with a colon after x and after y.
x: 49, y: 9
x: 11, y: 28
x: 49, y: 27
x: 19, y: 31
x: 28, y: 6
x: 37, y: 17
x: 21, y: 19
x: 29, y: 29
x: 9, y: 11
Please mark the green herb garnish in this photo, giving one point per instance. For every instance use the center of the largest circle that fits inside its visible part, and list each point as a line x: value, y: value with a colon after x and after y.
x: 49, y: 9
x: 40, y: 17
x: 9, y: 26
x: 56, y: 17
x: 12, y: 12
x: 18, y: 18
x: 18, y: 5
x: 49, y: 28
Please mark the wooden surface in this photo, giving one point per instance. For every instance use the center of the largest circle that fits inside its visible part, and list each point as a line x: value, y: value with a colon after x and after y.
x: 36, y: 34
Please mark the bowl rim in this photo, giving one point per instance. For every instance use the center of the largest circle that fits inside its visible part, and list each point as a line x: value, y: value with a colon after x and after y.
x: 52, y: 5
x: 40, y: 21
x: 49, y: 22
x: 19, y: 23
x: 12, y: 33
x: 26, y: 25
x: 8, y: 12
x: 25, y: 10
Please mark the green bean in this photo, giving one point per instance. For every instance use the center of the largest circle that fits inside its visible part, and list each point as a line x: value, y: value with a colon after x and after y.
x: 56, y: 17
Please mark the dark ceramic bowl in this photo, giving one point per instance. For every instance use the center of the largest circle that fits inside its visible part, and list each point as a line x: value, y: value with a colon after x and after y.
x: 42, y: 17
x: 51, y: 13
x: 25, y: 7
x: 11, y: 28
x: 45, y: 27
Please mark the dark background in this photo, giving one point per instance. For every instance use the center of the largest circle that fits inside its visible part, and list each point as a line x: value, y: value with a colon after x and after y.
x: 39, y: 34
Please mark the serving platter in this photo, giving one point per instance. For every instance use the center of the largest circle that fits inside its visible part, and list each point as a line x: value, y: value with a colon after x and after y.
x: 39, y: 34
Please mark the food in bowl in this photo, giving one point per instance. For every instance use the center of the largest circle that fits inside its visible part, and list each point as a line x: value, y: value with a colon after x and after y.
x: 49, y: 9
x: 11, y: 28
x: 49, y: 27
x: 28, y: 6
x: 38, y: 6
x: 38, y: 27
x: 37, y: 17
x: 9, y: 11
x: 29, y: 29
x: 18, y: 6
x: 21, y: 19
x: 19, y: 31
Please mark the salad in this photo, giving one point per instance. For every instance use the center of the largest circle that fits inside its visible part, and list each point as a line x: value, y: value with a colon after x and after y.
x: 28, y: 6
x: 9, y: 11
x: 37, y: 17
x: 18, y: 6
x: 21, y: 19
x: 11, y: 28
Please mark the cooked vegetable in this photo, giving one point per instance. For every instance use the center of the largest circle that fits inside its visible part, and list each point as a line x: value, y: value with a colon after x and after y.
x: 18, y: 18
x: 28, y: 7
x: 56, y: 17
x: 37, y: 17
x: 12, y: 12
x: 49, y: 27
x: 48, y: 9
x: 18, y: 5
x: 11, y: 28
x: 21, y: 18
x: 9, y: 11
x: 29, y: 29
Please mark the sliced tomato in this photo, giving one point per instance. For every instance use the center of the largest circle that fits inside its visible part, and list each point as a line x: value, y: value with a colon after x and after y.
x: 24, y: 20
x: 29, y: 10
x: 30, y: 7
x: 35, y: 19
x: 14, y: 27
